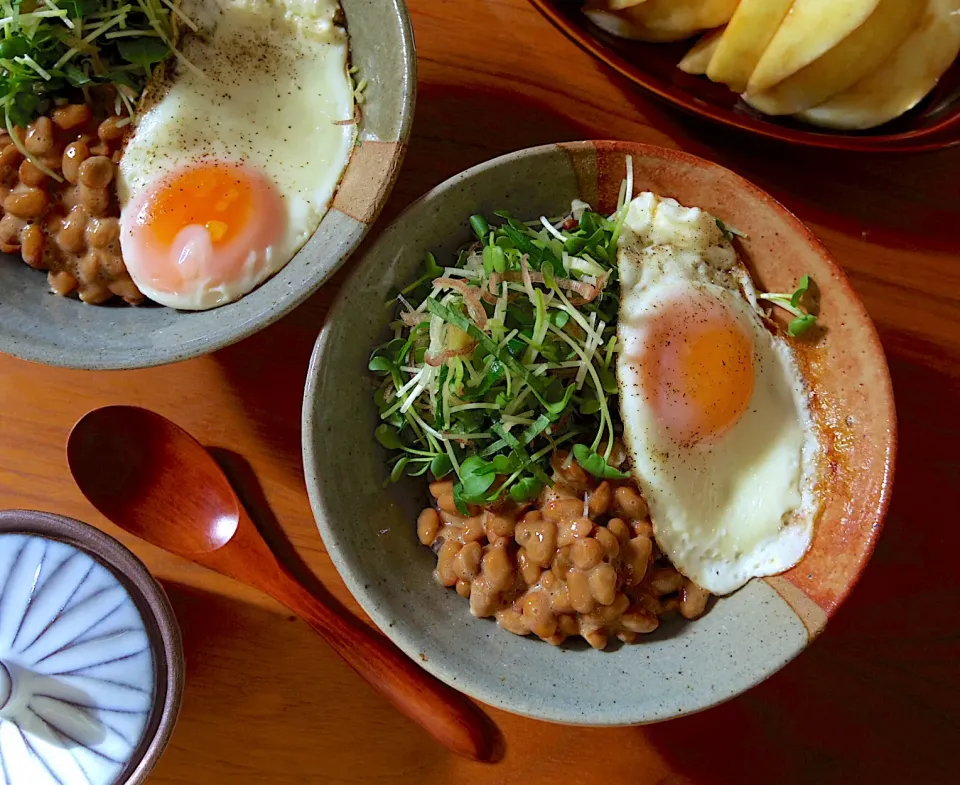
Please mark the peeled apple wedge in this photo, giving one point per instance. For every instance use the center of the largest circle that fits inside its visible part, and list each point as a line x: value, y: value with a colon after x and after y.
x: 661, y: 20
x: 617, y: 25
x: 903, y: 79
x: 698, y: 58
x: 810, y: 29
x: 681, y: 18
x: 619, y: 5
x: 749, y: 32
x: 855, y: 57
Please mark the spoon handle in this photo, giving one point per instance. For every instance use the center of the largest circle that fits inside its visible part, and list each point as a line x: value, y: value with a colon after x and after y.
x: 443, y: 712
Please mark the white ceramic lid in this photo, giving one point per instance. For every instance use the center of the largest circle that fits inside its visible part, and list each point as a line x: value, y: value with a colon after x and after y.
x: 78, y: 678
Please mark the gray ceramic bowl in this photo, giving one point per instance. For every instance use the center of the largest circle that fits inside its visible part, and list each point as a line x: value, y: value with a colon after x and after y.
x: 370, y: 533
x: 40, y: 326
x: 93, y: 677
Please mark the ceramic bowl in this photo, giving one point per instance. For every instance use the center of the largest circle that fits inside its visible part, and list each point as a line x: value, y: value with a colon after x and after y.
x: 932, y: 125
x: 45, y: 328
x: 370, y: 532
x: 91, y: 664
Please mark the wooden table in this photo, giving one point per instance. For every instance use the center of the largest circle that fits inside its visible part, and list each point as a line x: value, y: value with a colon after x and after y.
x: 876, y: 698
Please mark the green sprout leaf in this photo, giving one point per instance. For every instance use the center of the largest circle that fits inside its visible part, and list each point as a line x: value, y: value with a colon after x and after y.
x: 521, y: 453
x: 76, y: 77
x: 549, y: 279
x: 494, y: 259
x: 142, y: 51
x: 431, y: 268
x: 80, y: 8
x: 118, y: 77
x: 608, y: 380
x: 526, y: 489
x: 593, y: 463
x: 458, y: 499
x: 480, y: 226
x: 801, y: 324
x: 380, y: 364
x: 441, y: 466
x: 493, y: 375
x: 14, y: 46
x: 802, y: 288
x: 792, y: 303
x: 398, y: 468
x: 476, y: 479
x: 729, y: 232
x: 388, y: 436
x: 424, y: 466
x: 590, y: 406
x: 556, y: 409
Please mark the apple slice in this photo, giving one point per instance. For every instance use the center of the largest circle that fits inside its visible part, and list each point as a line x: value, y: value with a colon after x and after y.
x: 681, y: 18
x: 855, y: 57
x: 617, y: 25
x: 661, y: 20
x: 903, y: 79
x: 749, y: 32
x: 619, y: 5
x: 809, y: 30
x: 698, y: 58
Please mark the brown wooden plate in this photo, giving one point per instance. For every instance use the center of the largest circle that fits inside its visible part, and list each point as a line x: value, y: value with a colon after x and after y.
x: 932, y: 125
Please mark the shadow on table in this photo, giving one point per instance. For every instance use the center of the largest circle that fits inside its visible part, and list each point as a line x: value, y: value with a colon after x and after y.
x: 456, y: 128
x: 247, y: 486
x: 875, y: 699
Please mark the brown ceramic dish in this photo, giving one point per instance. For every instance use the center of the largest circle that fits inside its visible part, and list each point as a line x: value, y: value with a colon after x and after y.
x: 681, y: 668
x: 72, y: 577
x: 933, y: 125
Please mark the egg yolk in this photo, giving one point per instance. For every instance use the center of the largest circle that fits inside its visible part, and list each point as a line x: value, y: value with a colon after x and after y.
x: 217, y: 197
x: 697, y: 366
x: 203, y: 227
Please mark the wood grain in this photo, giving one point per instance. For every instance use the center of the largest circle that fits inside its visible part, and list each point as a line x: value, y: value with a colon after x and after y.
x: 874, y: 700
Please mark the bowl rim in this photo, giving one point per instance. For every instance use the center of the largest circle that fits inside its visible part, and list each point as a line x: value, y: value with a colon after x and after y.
x: 314, y: 482
x: 155, y: 609
x: 944, y: 134
x: 130, y: 360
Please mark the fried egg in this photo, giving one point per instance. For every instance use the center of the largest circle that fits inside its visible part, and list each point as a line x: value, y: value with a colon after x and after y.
x: 715, y: 411
x: 238, y: 151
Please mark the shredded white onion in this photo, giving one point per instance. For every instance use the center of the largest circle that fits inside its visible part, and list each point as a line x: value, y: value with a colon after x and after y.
x: 551, y: 229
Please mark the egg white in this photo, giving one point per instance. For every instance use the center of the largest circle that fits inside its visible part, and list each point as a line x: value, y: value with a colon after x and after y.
x: 743, y: 505
x: 270, y: 87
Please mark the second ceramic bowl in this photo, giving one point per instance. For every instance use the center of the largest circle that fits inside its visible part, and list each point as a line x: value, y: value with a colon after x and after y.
x: 37, y: 325
x: 371, y: 535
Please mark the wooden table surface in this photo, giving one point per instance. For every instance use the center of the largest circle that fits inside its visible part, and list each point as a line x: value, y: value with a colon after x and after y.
x: 875, y: 700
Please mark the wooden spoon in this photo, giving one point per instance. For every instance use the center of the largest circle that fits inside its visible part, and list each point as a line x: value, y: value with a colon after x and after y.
x: 153, y: 479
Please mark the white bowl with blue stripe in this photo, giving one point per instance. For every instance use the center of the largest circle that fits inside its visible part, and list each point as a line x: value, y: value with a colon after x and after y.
x: 91, y: 665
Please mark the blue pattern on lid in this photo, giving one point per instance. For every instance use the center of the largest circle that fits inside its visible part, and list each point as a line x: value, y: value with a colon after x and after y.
x: 77, y: 675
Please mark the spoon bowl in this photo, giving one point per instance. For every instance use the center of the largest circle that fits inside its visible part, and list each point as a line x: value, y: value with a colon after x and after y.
x: 153, y: 479
x: 131, y: 464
